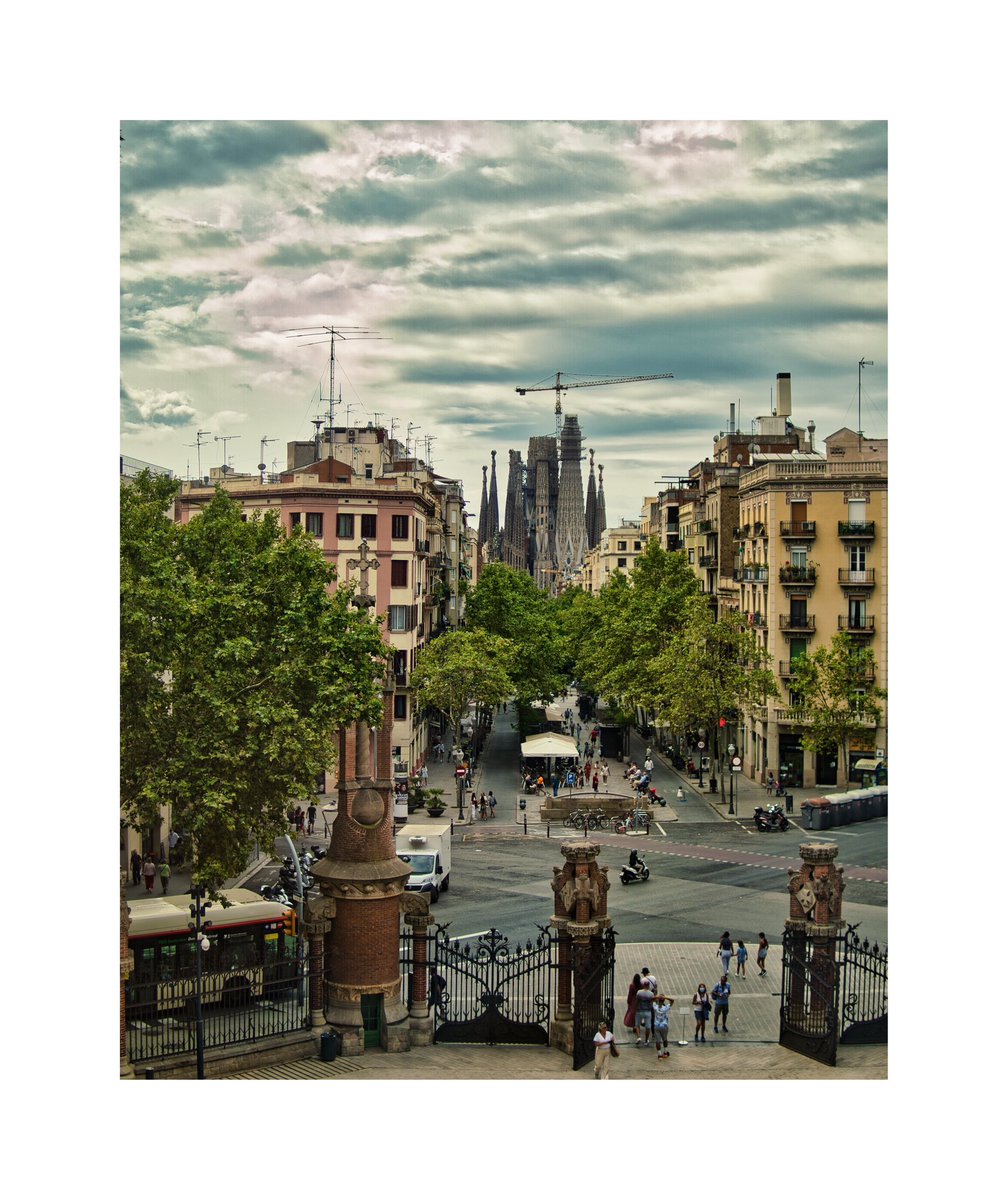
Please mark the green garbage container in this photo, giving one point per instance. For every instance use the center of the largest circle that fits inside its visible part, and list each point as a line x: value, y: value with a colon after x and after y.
x: 329, y: 1046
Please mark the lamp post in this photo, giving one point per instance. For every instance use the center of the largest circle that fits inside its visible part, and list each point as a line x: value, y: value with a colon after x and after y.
x: 197, y: 910
x: 731, y: 781
x: 700, y: 746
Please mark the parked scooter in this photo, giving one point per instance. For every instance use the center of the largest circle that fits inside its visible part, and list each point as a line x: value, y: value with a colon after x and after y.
x: 772, y: 819
x: 635, y: 874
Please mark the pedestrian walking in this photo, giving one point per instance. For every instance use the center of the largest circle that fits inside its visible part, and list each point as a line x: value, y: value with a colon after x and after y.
x: 660, y: 1019
x: 556, y: 783
x: 771, y: 787
x: 164, y: 870
x: 595, y: 783
x: 472, y: 808
x: 312, y: 813
x: 648, y: 979
x: 492, y: 804
x: 721, y: 993
x: 483, y: 806
x: 761, y: 953
x: 701, y: 1010
x: 136, y: 867
x: 605, y: 771
x: 424, y: 775
x: 299, y: 819
x: 645, y: 1005
x: 725, y: 951
x: 680, y: 795
x: 605, y: 1049
x: 741, y: 954
x: 630, y: 1016
x: 149, y: 871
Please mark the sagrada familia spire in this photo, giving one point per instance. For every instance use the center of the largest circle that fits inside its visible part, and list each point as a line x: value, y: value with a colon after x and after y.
x: 591, y: 530
x: 571, y: 538
x: 489, y: 532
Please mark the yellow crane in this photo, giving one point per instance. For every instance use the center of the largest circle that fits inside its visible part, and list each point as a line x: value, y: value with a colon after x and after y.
x: 558, y: 387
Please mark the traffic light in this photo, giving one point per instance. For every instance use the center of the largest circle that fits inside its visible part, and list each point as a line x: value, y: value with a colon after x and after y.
x: 722, y: 722
x: 290, y: 922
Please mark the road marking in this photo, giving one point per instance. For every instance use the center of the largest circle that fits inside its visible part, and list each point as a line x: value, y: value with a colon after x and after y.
x: 660, y: 830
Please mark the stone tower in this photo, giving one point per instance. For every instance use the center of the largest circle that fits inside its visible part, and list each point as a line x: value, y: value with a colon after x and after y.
x: 600, y: 517
x: 541, y: 507
x: 571, y: 541
x: 514, y: 552
x: 493, y: 535
x: 592, y: 532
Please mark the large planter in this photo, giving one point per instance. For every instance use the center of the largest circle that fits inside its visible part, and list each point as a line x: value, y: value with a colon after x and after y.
x: 436, y: 811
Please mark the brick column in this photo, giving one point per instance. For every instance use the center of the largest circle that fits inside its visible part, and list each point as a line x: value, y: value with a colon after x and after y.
x: 816, y: 892
x: 125, y: 970
x: 416, y: 915
x: 315, y: 929
x: 580, y: 893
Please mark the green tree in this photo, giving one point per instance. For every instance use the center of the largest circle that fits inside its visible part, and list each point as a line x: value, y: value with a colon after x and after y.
x: 712, y: 670
x: 835, y: 684
x: 460, y: 669
x: 507, y: 604
x: 620, y: 636
x: 238, y: 664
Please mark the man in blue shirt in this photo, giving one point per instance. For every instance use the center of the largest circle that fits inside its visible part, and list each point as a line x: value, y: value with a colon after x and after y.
x: 720, y: 996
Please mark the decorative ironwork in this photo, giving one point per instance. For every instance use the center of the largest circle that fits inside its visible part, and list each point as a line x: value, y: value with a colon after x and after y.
x: 490, y: 993
x: 594, y: 968
x: 834, y: 990
x: 239, y: 1006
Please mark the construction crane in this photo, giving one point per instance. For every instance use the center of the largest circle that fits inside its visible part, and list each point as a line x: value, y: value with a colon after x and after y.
x: 558, y: 387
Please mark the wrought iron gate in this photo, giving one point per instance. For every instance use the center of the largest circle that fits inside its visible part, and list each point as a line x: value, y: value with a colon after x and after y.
x: 594, y: 968
x: 834, y: 989
x: 490, y: 993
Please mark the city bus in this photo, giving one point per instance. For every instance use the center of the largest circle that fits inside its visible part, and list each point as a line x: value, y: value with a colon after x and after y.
x: 252, y: 956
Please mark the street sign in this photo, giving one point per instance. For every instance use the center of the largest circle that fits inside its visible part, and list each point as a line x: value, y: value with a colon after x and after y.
x: 736, y: 763
x: 699, y: 745
x: 460, y: 772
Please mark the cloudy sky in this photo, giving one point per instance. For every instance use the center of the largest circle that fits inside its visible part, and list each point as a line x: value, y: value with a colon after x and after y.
x: 488, y: 256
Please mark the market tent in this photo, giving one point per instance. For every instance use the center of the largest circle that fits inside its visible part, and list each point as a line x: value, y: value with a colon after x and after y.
x: 549, y: 745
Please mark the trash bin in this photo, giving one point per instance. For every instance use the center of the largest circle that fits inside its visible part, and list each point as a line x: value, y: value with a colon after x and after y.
x: 841, y: 810
x: 857, y: 802
x: 329, y: 1046
x: 806, y: 812
x: 822, y: 816
x: 884, y: 801
x: 788, y: 802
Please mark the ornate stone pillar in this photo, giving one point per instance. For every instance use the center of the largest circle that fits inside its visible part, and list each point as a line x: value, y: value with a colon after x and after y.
x: 362, y: 880
x: 816, y: 892
x: 416, y: 914
x: 315, y: 929
x: 580, y: 902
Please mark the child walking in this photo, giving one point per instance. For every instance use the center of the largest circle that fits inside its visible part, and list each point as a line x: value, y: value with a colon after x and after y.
x: 660, y: 1017
x: 741, y: 954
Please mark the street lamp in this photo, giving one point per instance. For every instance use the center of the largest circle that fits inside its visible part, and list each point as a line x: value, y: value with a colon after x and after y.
x: 731, y: 780
x: 197, y: 911
x: 700, y: 745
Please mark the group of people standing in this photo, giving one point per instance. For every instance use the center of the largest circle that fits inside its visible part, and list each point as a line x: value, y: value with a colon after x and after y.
x: 648, y: 1011
x: 485, y: 807
x: 148, y: 870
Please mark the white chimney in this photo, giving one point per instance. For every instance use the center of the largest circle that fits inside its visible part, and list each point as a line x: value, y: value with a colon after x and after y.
x: 783, y: 393
x: 731, y: 417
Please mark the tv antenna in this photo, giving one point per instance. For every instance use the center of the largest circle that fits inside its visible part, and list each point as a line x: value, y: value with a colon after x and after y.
x: 862, y: 363
x: 264, y: 441
x: 225, y: 438
x: 345, y: 333
x: 428, y: 438
x: 202, y: 433
x: 409, y: 433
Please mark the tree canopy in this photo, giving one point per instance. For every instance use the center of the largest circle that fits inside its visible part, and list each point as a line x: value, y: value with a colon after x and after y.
x: 508, y: 604
x: 459, y: 669
x: 835, y: 684
x: 239, y: 660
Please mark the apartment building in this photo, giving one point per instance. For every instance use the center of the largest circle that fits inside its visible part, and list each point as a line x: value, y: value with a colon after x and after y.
x: 389, y: 526
x: 617, y: 550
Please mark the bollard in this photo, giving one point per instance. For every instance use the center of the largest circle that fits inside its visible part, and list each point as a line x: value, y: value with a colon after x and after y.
x: 525, y: 823
x: 547, y: 829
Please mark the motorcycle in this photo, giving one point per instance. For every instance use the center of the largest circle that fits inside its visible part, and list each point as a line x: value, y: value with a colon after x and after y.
x: 638, y: 874
x: 771, y: 818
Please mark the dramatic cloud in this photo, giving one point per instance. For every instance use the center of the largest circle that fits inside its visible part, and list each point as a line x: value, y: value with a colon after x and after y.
x: 489, y: 255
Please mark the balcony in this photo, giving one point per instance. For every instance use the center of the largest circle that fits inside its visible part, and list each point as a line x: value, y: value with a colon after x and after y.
x: 756, y: 620
x: 751, y: 574
x: 798, y: 529
x: 856, y: 529
x: 787, y: 668
x: 708, y: 560
x: 707, y: 527
x: 423, y: 546
x: 798, y: 576
x: 857, y: 579
x: 759, y: 529
x: 799, y: 623
x: 863, y: 628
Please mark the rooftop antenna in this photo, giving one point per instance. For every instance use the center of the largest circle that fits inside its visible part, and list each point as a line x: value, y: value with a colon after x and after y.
x: 428, y: 438
x: 345, y: 333
x: 263, y: 443
x: 409, y: 433
x: 202, y: 433
x: 225, y: 438
x: 862, y: 363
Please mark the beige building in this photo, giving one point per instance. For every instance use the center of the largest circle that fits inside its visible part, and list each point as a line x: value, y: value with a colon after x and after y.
x: 617, y: 550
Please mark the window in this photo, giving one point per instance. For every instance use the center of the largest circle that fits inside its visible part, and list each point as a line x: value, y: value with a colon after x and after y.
x: 313, y: 524
x: 799, y: 556
x: 857, y: 558
x: 636, y: 545
x: 369, y: 470
x: 400, y: 526
x: 369, y: 525
x: 400, y: 568
x: 621, y: 563
x: 399, y: 667
x: 295, y: 520
x: 397, y: 618
x: 345, y: 524
x: 399, y: 709
x: 857, y: 614
x: 621, y: 545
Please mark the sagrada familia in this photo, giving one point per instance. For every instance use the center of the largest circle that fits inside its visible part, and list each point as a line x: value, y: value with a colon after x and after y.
x: 549, y: 523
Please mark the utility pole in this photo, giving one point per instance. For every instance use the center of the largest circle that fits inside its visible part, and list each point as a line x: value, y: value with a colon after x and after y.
x: 864, y: 362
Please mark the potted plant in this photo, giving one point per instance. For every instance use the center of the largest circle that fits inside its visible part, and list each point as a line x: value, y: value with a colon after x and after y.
x: 434, y: 803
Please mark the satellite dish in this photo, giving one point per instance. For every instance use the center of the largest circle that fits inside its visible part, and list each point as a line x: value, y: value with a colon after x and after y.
x: 262, y: 467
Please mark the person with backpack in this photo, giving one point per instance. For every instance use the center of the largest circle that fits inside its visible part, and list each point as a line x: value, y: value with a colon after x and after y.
x: 165, y: 872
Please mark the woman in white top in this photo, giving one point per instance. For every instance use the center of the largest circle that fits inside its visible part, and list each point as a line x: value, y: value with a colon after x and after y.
x: 605, y: 1048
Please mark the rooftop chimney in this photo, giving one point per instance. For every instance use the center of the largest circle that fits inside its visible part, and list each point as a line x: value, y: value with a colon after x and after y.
x: 783, y: 393
x: 731, y: 417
